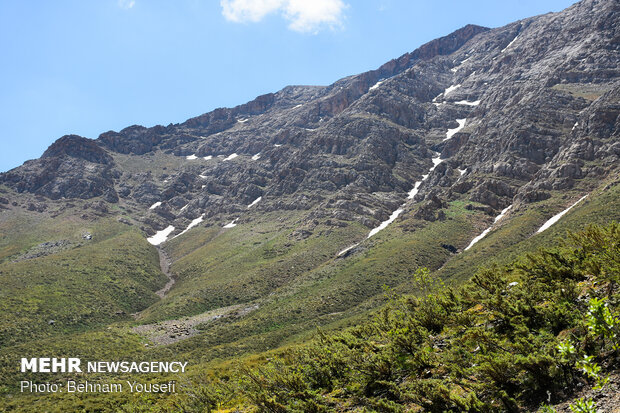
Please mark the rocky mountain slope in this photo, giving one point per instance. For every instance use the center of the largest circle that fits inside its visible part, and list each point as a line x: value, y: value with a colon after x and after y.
x: 535, y: 99
x: 297, y: 208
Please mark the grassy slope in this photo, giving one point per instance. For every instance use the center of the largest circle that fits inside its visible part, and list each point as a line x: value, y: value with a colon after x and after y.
x: 83, y: 289
x: 301, y: 282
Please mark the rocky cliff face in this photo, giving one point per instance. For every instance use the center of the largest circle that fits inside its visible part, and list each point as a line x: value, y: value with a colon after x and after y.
x: 515, y: 112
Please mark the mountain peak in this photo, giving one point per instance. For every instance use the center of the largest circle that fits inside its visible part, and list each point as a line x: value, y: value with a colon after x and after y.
x: 79, y: 147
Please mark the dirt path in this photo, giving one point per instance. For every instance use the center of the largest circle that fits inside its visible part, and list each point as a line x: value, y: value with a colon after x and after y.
x: 164, y: 263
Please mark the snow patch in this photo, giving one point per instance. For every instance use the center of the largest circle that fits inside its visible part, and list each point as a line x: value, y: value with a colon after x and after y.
x: 191, y: 157
x: 242, y: 120
x: 486, y: 231
x: 160, y: 236
x: 510, y: 44
x: 387, y: 222
x: 155, y: 205
x: 557, y: 217
x: 464, y: 102
x: 298, y: 106
x: 206, y: 158
x: 376, y: 85
x: 450, y: 89
x: 277, y: 145
x: 256, y: 201
x: 451, y: 132
x: 436, y: 161
x: 256, y: 157
x: 348, y: 249
x: 575, y: 125
x: 232, y: 156
x: 191, y: 225
x: 184, y: 208
x: 462, y: 171
x: 416, y: 187
x: 232, y: 223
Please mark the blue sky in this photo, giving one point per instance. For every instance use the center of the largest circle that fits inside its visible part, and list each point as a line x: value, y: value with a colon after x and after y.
x: 86, y: 67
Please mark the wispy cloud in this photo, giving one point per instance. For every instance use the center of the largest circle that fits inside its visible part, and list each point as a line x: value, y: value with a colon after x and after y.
x: 126, y: 4
x: 303, y: 15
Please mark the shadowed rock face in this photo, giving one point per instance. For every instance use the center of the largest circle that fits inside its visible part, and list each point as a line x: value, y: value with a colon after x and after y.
x: 72, y: 167
x: 539, y: 99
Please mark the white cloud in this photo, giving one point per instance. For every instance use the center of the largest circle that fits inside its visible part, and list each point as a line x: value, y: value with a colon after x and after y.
x: 126, y: 4
x: 302, y: 15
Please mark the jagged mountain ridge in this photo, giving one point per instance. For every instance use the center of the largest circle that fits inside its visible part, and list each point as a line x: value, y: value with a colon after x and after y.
x: 539, y: 97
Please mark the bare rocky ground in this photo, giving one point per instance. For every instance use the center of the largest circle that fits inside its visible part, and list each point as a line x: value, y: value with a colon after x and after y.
x: 607, y: 400
x: 171, y: 331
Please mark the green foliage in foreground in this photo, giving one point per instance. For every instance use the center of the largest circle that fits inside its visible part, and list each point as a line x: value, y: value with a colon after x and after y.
x: 510, y: 338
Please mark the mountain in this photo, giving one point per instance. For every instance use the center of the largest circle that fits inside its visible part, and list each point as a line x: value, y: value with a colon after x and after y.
x: 294, y: 210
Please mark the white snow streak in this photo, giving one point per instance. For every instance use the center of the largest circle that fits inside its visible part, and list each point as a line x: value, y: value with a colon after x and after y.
x: 464, y: 102
x: 486, y: 231
x: 445, y: 93
x: 575, y: 125
x: 184, y: 208
x: 414, y: 190
x: 451, y: 132
x: 384, y: 224
x: 256, y: 201
x: 160, y: 236
x: 191, y: 157
x: 277, y: 145
x: 348, y: 249
x: 155, y: 205
x: 557, y: 217
x: 232, y: 224
x: 510, y: 44
x: 232, y: 156
x: 376, y: 85
x: 256, y: 157
x: 298, y: 106
x: 450, y: 89
x: 191, y: 225
x: 206, y: 158
x: 462, y: 171
x: 242, y: 120
x: 412, y: 193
